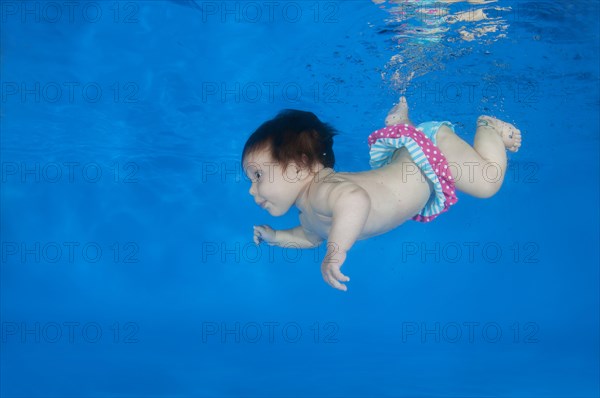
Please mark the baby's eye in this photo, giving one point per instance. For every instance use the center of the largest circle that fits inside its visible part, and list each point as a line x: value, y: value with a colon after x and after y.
x: 257, y: 175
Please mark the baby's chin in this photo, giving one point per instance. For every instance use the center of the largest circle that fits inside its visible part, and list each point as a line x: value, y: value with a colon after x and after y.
x: 276, y: 211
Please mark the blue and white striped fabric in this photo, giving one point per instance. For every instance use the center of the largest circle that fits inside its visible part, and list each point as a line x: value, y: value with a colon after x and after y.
x: 430, y: 129
x: 386, y: 141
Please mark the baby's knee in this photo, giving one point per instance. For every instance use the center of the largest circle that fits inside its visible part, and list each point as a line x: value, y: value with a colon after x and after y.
x: 487, y: 189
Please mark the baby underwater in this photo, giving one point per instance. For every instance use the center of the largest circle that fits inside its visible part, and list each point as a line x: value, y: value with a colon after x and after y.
x: 290, y: 161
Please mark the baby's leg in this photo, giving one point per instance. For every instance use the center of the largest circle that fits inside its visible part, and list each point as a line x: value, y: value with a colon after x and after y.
x: 479, y: 170
x: 398, y: 114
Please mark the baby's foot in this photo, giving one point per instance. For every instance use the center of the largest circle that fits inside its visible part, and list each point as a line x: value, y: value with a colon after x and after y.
x: 511, y: 136
x: 398, y: 114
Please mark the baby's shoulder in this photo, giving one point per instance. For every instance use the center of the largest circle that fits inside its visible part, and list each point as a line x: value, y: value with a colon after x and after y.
x: 327, y: 187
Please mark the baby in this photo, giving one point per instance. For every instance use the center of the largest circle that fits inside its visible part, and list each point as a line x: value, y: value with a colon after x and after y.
x: 290, y: 161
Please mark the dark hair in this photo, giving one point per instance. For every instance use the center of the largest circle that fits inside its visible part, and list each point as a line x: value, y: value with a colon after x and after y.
x: 292, y: 134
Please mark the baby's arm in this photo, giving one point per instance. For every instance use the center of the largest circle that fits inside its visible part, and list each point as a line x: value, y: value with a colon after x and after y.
x: 350, y: 206
x: 297, y: 237
x: 294, y: 237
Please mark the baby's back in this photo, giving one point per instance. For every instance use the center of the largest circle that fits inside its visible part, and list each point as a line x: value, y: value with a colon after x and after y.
x: 398, y: 191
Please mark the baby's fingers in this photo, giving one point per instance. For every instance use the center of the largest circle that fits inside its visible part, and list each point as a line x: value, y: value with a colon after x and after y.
x: 260, y: 230
x: 338, y: 285
x: 337, y: 274
x: 334, y: 283
x: 257, y: 236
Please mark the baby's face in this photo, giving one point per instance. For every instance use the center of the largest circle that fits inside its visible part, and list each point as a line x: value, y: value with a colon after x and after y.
x: 273, y: 189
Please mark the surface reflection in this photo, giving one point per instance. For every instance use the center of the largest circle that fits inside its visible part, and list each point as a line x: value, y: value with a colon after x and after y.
x: 424, y: 33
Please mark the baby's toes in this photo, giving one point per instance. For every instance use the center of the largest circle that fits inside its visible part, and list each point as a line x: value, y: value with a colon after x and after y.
x: 518, y: 134
x: 517, y: 146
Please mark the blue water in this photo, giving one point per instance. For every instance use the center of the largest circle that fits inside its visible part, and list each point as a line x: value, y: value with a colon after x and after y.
x: 128, y: 267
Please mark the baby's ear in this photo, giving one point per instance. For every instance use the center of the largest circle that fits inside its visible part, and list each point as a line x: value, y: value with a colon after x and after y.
x: 305, y: 159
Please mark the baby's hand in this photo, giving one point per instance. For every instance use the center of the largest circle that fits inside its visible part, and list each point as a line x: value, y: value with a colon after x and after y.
x: 330, y: 268
x: 264, y: 233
